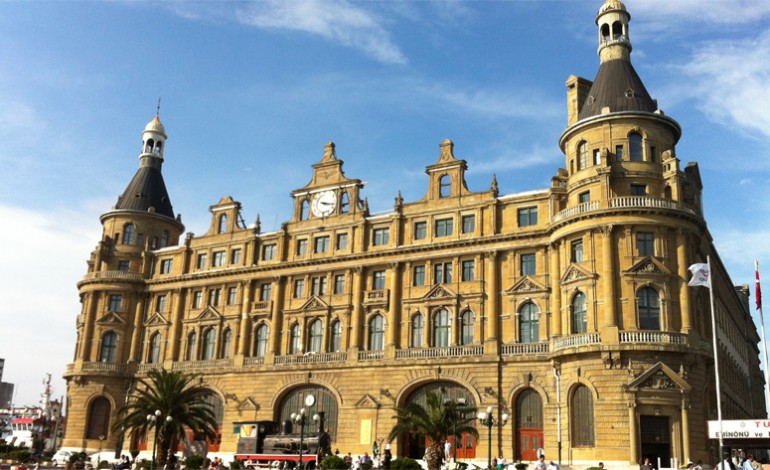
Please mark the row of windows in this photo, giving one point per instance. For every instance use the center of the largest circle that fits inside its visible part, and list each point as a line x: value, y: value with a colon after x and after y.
x: 635, y: 152
x: 131, y: 237
x: 218, y: 259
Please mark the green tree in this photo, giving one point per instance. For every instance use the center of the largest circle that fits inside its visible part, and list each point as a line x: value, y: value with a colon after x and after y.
x: 182, y: 402
x: 436, y: 421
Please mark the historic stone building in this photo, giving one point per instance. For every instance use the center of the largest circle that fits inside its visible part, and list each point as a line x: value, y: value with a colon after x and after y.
x: 566, y: 307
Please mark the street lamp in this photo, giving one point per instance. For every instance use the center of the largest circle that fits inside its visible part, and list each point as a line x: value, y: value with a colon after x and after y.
x: 488, y: 420
x: 458, y: 403
x: 300, y: 418
x: 154, y: 420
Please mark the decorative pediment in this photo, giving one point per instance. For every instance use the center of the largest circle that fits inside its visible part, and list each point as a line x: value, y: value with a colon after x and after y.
x: 157, y: 319
x: 659, y: 377
x: 315, y: 303
x: 367, y: 401
x: 527, y: 285
x: 575, y: 273
x: 208, y: 314
x: 439, y: 291
x: 648, y: 265
x: 248, y: 404
x: 111, y: 318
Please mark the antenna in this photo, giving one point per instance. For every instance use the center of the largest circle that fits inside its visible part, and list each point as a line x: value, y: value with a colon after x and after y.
x: 157, y: 112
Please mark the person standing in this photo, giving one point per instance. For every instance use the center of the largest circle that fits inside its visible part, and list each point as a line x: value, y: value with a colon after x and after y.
x: 447, y: 450
x: 647, y: 465
x: 540, y: 464
x: 386, y: 458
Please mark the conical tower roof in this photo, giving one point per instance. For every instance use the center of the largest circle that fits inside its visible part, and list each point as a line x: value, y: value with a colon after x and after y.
x: 618, y: 87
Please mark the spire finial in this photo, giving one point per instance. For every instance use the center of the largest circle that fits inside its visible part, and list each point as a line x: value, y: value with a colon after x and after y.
x: 157, y: 111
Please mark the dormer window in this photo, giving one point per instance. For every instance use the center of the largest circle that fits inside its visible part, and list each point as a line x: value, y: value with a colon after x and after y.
x: 303, y: 210
x: 345, y: 203
x: 445, y: 186
x: 222, y: 228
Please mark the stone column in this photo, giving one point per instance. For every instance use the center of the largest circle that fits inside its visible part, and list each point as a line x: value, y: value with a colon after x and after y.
x: 136, y: 335
x: 176, y: 325
x: 394, y: 306
x: 633, y: 439
x: 553, y: 257
x: 279, y: 287
x: 491, y: 333
x: 243, y: 328
x: 684, y: 291
x: 609, y: 326
x: 685, y: 429
x: 356, y: 324
x: 92, y: 306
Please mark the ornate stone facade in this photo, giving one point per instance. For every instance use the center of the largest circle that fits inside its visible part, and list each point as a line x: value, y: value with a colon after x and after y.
x: 566, y: 307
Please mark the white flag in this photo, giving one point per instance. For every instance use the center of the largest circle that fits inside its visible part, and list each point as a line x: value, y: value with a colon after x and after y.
x: 700, y: 275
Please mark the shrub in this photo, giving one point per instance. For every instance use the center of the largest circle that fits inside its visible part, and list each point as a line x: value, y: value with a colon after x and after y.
x: 521, y: 466
x: 236, y: 464
x: 405, y: 463
x: 333, y: 462
x: 195, y: 462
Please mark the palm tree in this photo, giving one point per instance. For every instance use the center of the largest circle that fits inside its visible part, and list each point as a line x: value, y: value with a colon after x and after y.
x: 436, y: 421
x: 170, y: 402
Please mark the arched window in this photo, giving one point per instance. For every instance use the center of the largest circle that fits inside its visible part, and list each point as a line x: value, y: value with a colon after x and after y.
x: 98, y: 418
x: 441, y: 328
x: 325, y: 401
x: 605, y: 32
x: 260, y: 346
x: 164, y: 239
x: 617, y: 30
x: 336, y: 336
x: 582, y: 155
x: 418, y: 330
x: 227, y: 343
x: 316, y: 336
x: 582, y: 417
x: 529, y: 323
x: 376, y: 333
x: 467, y: 331
x: 222, y: 227
x: 128, y: 234
x: 303, y: 210
x: 636, y: 154
x: 154, y: 354
x: 109, y: 347
x: 294, y: 345
x: 159, y: 148
x: 649, y: 309
x: 192, y: 347
x: 209, y: 343
x: 445, y: 186
x: 579, y: 314
x: 345, y: 203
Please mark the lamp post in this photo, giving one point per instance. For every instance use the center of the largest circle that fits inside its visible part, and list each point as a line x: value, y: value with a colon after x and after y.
x: 455, y: 404
x: 487, y: 419
x: 300, y: 419
x: 155, y: 420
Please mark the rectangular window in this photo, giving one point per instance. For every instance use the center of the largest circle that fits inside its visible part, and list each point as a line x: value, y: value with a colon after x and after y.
x: 265, y: 292
x: 597, y: 156
x: 218, y: 259
x: 302, y: 247
x: 468, y: 270
x: 115, y: 301
x: 619, y: 152
x: 339, y: 284
x: 215, y: 296
x: 653, y: 153
x: 318, y: 286
x: 442, y: 273
x: 268, y: 252
x: 378, y: 280
x: 638, y: 189
x: 342, y: 241
x: 299, y: 288
x: 381, y: 236
x: 161, y: 303
x: 527, y: 216
x: 322, y: 244
x: 235, y: 256
x: 645, y: 243
x: 420, y: 230
x: 584, y: 197
x: 232, y: 295
x: 469, y: 223
x: 123, y: 265
x: 528, y: 266
x: 202, y: 261
x: 418, y: 277
x: 576, y: 251
x: 197, y: 299
x: 444, y: 227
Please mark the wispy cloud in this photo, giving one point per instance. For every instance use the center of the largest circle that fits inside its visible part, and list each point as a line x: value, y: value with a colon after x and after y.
x: 339, y: 21
x: 698, y: 11
x: 508, y: 159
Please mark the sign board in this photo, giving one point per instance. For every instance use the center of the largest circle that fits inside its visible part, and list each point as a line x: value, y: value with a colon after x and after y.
x: 740, y: 429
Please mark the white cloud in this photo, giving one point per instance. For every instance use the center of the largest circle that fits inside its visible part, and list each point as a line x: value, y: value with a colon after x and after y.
x: 510, y: 159
x: 700, y: 11
x: 336, y: 20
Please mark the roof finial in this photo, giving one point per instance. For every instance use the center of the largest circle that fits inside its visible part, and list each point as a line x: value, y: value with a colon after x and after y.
x: 157, y: 111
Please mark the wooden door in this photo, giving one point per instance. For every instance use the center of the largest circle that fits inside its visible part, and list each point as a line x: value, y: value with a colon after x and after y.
x: 527, y: 443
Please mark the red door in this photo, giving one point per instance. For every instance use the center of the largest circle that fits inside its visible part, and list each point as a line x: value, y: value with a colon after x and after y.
x: 466, y: 448
x: 529, y: 425
x: 527, y: 443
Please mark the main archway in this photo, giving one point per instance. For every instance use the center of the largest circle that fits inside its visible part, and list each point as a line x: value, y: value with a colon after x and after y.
x: 323, y: 401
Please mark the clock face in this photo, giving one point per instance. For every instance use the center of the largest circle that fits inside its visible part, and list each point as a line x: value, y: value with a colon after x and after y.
x: 309, y: 401
x: 324, y: 203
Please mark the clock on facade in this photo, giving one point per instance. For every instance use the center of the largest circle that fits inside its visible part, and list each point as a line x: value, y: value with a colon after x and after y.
x: 324, y: 203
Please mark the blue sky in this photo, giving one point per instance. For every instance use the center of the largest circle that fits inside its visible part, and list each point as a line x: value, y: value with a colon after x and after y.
x: 252, y: 90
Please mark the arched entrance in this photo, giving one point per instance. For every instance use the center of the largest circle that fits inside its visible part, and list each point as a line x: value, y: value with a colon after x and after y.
x: 529, y: 425
x: 413, y: 445
x: 324, y: 401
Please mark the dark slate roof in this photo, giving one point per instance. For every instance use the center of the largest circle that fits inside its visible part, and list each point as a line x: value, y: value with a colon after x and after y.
x: 146, y: 190
x: 617, y: 86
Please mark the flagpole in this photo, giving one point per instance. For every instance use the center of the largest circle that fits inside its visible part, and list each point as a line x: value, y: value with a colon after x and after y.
x: 716, y: 360
x: 762, y: 325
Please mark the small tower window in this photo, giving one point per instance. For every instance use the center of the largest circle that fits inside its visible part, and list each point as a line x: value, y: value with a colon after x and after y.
x: 159, y: 148
x: 222, y: 228
x: 303, y: 210
x: 128, y: 234
x: 345, y: 203
x: 617, y: 30
x: 605, y: 32
x: 635, y: 147
x: 164, y: 239
x: 445, y: 186
x: 582, y: 156
x: 149, y: 146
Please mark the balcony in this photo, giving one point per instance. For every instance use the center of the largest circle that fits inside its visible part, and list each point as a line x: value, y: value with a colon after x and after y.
x: 254, y: 361
x: 202, y: 365
x: 525, y: 349
x: 451, y: 351
x: 576, y: 340
x: 621, y: 203
x: 652, y: 337
x: 370, y: 355
x: 312, y: 358
x: 113, y: 275
x: 262, y: 305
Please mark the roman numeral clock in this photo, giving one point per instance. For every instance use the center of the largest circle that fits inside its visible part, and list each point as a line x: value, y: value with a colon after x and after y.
x: 324, y: 203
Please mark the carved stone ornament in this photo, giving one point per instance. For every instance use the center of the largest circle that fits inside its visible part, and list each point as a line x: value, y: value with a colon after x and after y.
x: 659, y: 381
